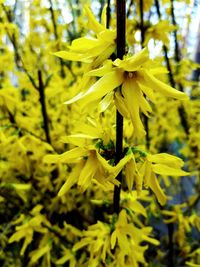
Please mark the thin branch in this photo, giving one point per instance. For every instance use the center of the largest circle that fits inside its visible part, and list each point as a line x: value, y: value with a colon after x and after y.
x: 43, y: 104
x: 181, y: 110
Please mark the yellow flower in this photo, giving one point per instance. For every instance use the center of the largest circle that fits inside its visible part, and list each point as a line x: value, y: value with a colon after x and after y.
x: 163, y: 164
x: 137, y: 79
x: 90, y: 166
x: 90, y: 49
x: 128, y: 239
x: 159, y: 31
x: 29, y: 226
x: 144, y: 172
x: 97, y: 239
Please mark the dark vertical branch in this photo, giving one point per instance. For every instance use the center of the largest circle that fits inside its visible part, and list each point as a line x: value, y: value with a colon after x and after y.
x: 44, y: 110
x: 177, y: 52
x: 142, y: 23
x: 53, y: 19
x: 170, y: 75
x: 129, y: 8
x: 142, y: 32
x: 181, y: 110
x: 121, y: 41
x: 108, y: 14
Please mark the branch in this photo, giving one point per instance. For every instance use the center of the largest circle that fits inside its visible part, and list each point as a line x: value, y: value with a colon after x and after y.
x: 43, y: 104
x: 121, y: 33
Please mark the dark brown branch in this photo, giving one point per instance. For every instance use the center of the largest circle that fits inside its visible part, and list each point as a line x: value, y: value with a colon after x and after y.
x: 121, y: 33
x: 43, y: 104
x: 181, y: 110
x: 108, y: 14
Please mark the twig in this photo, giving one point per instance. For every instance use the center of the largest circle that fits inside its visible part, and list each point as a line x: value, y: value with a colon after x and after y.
x: 43, y: 104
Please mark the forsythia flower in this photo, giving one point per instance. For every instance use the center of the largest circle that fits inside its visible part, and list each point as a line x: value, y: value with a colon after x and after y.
x: 128, y: 239
x: 159, y: 31
x: 144, y: 172
x: 97, y: 239
x: 163, y: 164
x: 137, y: 78
x: 92, y: 50
x: 27, y: 229
x: 90, y: 166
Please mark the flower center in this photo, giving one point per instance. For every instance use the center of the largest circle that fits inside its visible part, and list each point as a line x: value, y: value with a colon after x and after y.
x: 131, y: 74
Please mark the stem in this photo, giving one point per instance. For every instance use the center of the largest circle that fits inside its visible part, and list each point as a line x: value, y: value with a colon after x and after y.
x: 121, y: 32
x: 181, y: 109
x: 170, y: 75
x: 108, y: 14
x: 177, y: 54
x: 142, y: 32
x: 53, y: 19
x: 142, y: 23
x: 44, y: 110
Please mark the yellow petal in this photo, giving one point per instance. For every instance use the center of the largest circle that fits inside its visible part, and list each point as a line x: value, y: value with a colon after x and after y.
x: 151, y: 81
x: 191, y: 264
x: 68, y: 255
x: 104, y: 163
x: 93, y: 24
x: 155, y: 187
x: 132, y: 96
x: 83, y: 44
x: 21, y: 186
x: 137, y: 207
x: 116, y: 169
x: 145, y: 106
x: 38, y: 253
x: 146, y: 171
x: 88, y: 171
x: 121, y: 105
x: 147, y: 91
x: 103, y: 86
x: 107, y: 67
x: 105, y: 102
x: 72, y: 56
x: 69, y: 156
x: 130, y: 174
x: 71, y: 179
x: 80, y: 139
x: 133, y: 63
x: 167, y: 159
x: 166, y: 170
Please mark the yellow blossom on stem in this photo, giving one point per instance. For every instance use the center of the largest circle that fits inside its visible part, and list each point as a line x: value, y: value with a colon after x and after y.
x: 92, y: 49
x: 137, y: 79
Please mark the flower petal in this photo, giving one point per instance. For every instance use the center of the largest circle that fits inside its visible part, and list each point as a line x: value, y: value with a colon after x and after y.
x: 103, y: 86
x: 71, y: 179
x: 93, y: 24
x: 166, y: 170
x: 151, y: 81
x: 132, y: 96
x: 155, y: 187
x: 167, y: 159
x: 133, y: 63
x: 121, y: 105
